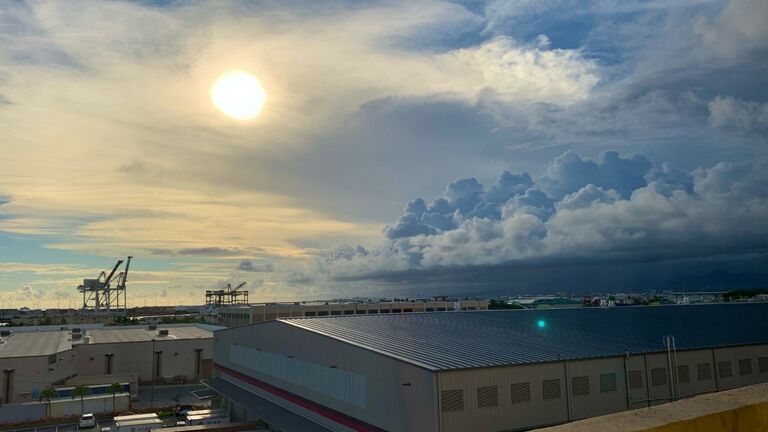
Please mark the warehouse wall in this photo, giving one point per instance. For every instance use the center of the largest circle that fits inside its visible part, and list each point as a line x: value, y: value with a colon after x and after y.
x: 177, y: 358
x: 396, y: 396
x: 33, y: 374
x: 590, y: 387
x: 512, y: 411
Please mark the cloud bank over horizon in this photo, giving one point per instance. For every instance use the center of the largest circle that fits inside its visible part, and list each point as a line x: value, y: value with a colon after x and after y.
x: 612, y: 208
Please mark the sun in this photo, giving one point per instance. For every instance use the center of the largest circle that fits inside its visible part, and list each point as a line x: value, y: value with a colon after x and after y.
x: 238, y: 94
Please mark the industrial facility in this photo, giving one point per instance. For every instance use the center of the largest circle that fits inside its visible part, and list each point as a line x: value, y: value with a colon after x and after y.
x: 483, y: 370
x: 33, y: 359
x: 255, y: 313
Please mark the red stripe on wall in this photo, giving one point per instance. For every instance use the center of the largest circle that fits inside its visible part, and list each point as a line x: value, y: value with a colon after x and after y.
x: 329, y: 413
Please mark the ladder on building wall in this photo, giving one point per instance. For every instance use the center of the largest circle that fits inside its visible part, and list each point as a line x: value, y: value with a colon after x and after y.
x: 674, y: 378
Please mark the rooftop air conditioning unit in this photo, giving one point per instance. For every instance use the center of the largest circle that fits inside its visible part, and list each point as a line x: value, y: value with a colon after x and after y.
x: 76, y: 330
x: 162, y: 332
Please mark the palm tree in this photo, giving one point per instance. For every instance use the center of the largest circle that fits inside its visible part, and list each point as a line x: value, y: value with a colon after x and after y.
x: 47, y: 394
x: 81, y: 391
x: 114, y: 389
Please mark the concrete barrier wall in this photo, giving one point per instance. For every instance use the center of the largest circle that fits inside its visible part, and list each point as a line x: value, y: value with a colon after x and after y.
x: 753, y: 418
x: 742, y: 409
x: 12, y: 413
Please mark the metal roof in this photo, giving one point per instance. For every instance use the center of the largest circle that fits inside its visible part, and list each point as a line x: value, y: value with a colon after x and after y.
x: 34, y: 344
x: 455, y: 340
x: 115, y: 335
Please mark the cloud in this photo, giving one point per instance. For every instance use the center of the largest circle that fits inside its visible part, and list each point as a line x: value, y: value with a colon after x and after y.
x: 250, y: 266
x: 211, y: 251
x: 611, y: 209
x: 731, y: 112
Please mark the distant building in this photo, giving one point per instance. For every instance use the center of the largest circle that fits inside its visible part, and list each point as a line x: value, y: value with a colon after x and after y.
x: 241, y: 315
x: 33, y: 359
x: 483, y: 370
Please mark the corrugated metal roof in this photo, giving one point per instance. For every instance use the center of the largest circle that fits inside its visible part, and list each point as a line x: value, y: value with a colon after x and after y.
x: 454, y: 340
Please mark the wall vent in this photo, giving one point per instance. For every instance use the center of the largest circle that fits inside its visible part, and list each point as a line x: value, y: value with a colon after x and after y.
x: 724, y: 367
x: 703, y: 372
x: 762, y: 364
x: 521, y: 392
x: 659, y: 376
x: 452, y: 400
x: 607, y: 383
x: 580, y: 385
x: 487, y: 397
x: 635, y: 379
x: 683, y: 374
x: 550, y: 389
x: 745, y: 367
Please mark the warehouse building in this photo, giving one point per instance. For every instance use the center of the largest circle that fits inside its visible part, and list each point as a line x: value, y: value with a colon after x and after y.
x: 233, y: 316
x: 43, y: 357
x: 484, y: 370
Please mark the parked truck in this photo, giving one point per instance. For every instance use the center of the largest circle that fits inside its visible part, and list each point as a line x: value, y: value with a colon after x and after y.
x: 137, y: 423
x: 206, y: 417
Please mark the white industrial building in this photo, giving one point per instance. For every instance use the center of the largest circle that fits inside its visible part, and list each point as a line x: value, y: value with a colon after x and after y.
x: 483, y: 370
x: 233, y: 316
x: 32, y: 359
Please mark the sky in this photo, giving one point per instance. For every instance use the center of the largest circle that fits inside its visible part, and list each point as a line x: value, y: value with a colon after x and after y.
x: 406, y: 148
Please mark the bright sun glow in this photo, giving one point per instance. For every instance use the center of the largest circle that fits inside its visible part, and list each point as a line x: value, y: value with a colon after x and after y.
x: 239, y: 95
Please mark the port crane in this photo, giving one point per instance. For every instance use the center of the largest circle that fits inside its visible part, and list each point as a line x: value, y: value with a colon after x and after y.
x: 107, y: 292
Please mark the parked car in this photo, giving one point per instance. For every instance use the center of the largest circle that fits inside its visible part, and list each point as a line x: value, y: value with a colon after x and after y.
x: 182, y: 410
x: 87, y: 421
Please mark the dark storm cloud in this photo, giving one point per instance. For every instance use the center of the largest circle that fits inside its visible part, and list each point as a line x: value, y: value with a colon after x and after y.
x: 610, y: 210
x: 250, y: 266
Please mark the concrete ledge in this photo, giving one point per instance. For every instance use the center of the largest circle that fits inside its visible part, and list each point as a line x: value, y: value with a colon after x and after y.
x: 742, y: 409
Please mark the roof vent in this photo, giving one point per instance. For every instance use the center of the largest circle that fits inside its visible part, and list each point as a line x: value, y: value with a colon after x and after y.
x: 153, y: 327
x: 162, y: 332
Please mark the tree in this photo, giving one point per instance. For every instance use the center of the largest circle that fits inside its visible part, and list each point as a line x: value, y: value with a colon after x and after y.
x: 81, y: 391
x: 46, y: 395
x: 114, y: 389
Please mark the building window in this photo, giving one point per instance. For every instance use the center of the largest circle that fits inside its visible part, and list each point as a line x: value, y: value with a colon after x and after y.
x: 724, y: 367
x: 607, y: 383
x: 52, y: 359
x: 683, y: 374
x: 580, y: 385
x: 452, y: 400
x: 336, y: 312
x: 635, y: 379
x: 396, y: 310
x: 659, y: 376
x: 487, y: 397
x: 550, y: 389
x: 762, y: 364
x: 322, y: 313
x: 309, y: 314
x: 385, y: 311
x: 521, y: 392
x: 745, y: 367
x: 349, y: 312
x: 703, y: 372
